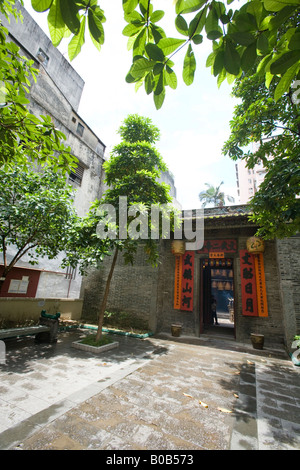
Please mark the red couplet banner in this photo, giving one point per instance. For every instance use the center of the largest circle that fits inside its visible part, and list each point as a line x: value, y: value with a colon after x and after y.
x: 184, y: 281
x: 248, y: 282
x: 187, y: 281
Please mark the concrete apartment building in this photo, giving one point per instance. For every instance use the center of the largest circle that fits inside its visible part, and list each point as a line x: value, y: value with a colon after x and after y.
x: 248, y: 180
x: 57, y: 93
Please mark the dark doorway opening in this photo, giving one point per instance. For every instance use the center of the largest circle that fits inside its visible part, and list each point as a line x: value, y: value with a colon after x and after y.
x: 217, y: 284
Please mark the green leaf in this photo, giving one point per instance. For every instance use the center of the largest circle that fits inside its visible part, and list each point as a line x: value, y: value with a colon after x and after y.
x: 56, y: 24
x: 171, y: 78
x: 294, y: 43
x: 249, y: 57
x: 129, y: 77
x: 146, y: 7
x: 70, y: 16
x: 244, y: 38
x: 285, y: 81
x: 262, y: 43
x: 225, y: 19
x: 212, y: 28
x: 154, y: 52
x: 134, y: 17
x: 265, y: 23
x: 218, y: 63
x: 158, y: 68
x: 264, y: 64
x: 95, y: 27
x: 284, y: 62
x: 281, y: 17
x: 129, y: 5
x: 140, y: 67
x: 211, y: 58
x: 181, y: 25
x: 41, y: 5
x: 169, y: 45
x: 269, y: 78
x: 189, y: 66
x: 188, y: 6
x: 77, y: 41
x: 277, y: 5
x: 211, y: 23
x: 159, y: 99
x: 160, y: 84
x: 221, y: 77
x: 197, y: 23
x: 139, y: 43
x: 245, y: 21
x: 158, y: 32
x: 149, y: 83
x: 156, y: 16
x: 231, y: 59
x: 215, y: 34
x: 197, y: 39
x: 132, y: 29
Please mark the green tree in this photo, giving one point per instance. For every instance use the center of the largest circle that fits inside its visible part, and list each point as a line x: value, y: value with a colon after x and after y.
x: 240, y: 36
x: 36, y: 215
x: 132, y: 172
x: 271, y: 130
x: 214, y: 196
x: 23, y: 136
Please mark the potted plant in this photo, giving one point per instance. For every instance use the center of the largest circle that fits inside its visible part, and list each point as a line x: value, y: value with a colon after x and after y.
x: 176, y: 329
x: 257, y: 340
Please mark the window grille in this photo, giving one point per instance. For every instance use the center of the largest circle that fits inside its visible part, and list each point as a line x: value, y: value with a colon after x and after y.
x: 42, y: 56
x: 80, y: 129
x: 70, y: 273
x: 76, y: 175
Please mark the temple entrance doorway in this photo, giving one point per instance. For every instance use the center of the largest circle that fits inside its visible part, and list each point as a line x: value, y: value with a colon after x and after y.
x: 217, y: 297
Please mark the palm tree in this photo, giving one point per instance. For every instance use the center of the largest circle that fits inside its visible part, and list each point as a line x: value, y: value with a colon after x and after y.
x: 214, y: 196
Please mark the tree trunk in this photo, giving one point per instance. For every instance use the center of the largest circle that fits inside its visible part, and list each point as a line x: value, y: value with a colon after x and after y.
x: 104, y: 301
x: 1, y: 284
x: 3, y: 276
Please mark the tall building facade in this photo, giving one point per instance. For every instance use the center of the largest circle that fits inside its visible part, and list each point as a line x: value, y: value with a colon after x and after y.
x: 56, y: 93
x: 248, y: 180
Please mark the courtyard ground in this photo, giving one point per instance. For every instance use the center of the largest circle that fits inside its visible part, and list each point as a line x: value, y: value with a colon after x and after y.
x: 159, y: 393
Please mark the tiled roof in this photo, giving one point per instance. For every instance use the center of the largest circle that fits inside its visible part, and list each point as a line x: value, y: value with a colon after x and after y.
x: 227, y: 211
x: 219, y: 212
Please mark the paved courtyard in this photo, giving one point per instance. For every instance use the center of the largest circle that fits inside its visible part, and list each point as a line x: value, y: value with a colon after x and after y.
x: 151, y: 394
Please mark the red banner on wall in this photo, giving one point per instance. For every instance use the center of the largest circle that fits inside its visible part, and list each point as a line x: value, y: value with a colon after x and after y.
x: 261, y: 286
x: 184, y: 281
x: 248, y: 283
x: 221, y: 246
x: 177, y: 284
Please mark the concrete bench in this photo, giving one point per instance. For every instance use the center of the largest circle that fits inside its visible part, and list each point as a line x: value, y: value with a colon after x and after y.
x: 26, y: 331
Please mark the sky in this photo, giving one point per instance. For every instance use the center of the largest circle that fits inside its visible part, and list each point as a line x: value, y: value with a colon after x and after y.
x: 193, y: 121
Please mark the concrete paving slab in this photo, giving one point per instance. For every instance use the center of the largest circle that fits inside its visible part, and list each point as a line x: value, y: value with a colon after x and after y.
x: 154, y: 394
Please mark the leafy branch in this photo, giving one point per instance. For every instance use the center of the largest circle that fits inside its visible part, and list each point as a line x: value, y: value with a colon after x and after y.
x: 240, y: 38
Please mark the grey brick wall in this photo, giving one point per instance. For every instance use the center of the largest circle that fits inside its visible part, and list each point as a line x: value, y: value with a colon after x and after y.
x: 148, y: 292
x: 288, y: 253
x: 133, y: 289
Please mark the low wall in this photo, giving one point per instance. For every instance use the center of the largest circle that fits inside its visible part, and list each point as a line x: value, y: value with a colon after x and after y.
x: 22, y: 309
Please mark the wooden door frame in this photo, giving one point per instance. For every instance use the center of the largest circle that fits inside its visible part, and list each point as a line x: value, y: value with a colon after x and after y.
x: 201, y: 293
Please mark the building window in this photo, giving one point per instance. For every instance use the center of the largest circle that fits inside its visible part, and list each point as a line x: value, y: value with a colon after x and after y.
x: 42, y: 56
x: 70, y: 273
x: 76, y: 175
x: 80, y: 129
